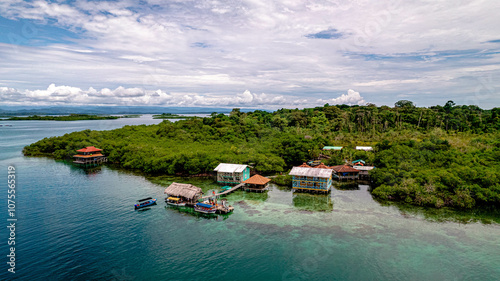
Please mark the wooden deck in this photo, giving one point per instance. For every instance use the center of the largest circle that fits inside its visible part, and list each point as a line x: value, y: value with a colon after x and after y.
x: 224, y: 192
x: 91, y: 161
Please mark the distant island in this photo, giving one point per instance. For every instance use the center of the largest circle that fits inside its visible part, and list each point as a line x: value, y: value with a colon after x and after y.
x: 441, y: 156
x: 71, y: 117
x: 171, y: 116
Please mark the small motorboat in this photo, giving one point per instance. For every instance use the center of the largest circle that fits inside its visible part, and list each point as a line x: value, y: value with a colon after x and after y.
x: 205, y: 208
x: 175, y: 201
x: 145, y: 202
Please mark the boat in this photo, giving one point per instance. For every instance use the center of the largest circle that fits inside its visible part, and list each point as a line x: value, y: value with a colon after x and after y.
x: 175, y: 201
x: 205, y: 208
x: 225, y: 188
x: 145, y: 202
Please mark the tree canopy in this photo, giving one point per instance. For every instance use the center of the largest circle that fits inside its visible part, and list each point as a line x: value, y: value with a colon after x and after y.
x: 438, y: 156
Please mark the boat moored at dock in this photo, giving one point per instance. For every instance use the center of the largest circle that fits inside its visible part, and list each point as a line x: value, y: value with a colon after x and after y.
x: 175, y: 201
x: 205, y: 208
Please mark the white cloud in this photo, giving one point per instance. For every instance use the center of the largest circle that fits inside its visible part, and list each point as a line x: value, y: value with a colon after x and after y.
x: 67, y: 95
x: 351, y: 98
x: 213, y: 49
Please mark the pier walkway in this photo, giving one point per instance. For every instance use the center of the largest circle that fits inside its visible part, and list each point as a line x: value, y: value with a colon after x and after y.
x: 224, y: 192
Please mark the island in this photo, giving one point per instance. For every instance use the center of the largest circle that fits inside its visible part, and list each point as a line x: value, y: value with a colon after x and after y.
x: 71, y: 117
x: 440, y: 156
x: 171, y: 116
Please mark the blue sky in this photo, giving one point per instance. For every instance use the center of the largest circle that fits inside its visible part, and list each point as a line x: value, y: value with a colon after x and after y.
x: 249, y: 53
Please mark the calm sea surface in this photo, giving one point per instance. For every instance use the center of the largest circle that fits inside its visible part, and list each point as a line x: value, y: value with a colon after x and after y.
x: 79, y: 225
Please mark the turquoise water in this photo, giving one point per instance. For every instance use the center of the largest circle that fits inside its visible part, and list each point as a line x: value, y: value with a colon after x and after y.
x: 77, y: 225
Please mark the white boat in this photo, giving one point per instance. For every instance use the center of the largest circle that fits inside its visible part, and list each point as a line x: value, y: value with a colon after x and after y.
x: 175, y: 201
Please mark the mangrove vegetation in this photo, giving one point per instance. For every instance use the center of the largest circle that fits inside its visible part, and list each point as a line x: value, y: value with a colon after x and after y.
x: 438, y: 156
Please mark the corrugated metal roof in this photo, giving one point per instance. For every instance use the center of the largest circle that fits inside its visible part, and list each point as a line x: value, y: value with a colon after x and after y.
x: 366, y: 148
x: 230, y: 168
x: 363, y: 168
x: 332, y: 148
x: 310, y: 172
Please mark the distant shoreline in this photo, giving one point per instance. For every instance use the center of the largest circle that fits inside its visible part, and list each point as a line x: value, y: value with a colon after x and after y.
x: 171, y: 116
x: 71, y: 117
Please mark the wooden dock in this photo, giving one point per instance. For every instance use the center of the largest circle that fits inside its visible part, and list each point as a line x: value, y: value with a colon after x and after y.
x: 224, y: 192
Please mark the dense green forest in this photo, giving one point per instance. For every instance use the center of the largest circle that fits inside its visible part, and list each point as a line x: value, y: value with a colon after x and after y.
x: 439, y: 156
x: 71, y: 117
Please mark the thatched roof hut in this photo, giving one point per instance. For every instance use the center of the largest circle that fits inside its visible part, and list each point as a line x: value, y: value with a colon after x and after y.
x: 187, y: 191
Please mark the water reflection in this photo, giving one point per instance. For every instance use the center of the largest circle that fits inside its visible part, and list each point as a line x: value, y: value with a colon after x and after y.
x: 313, y: 202
x: 89, y: 171
x: 346, y: 185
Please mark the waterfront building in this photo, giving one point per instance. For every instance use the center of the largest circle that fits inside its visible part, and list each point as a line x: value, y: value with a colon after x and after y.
x: 345, y: 172
x: 364, y: 171
x: 317, y: 179
x: 89, y: 156
x: 232, y: 173
x: 257, y: 183
x: 185, y: 192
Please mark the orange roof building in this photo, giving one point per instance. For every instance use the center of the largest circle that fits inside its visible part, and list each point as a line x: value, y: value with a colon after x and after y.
x: 345, y: 172
x: 257, y: 183
x: 89, y: 156
x: 322, y: 166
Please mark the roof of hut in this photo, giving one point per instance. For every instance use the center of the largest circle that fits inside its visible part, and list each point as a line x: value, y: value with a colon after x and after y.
x: 358, y: 161
x: 183, y: 190
x: 310, y: 172
x: 322, y: 166
x: 344, y: 169
x: 89, y: 149
x: 332, y: 148
x: 304, y: 165
x: 230, y: 168
x: 365, y: 148
x: 258, y: 180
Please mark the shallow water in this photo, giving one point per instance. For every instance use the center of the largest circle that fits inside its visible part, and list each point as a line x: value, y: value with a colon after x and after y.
x: 80, y: 225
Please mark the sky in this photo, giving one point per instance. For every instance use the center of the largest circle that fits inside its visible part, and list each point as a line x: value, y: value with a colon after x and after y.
x: 249, y: 53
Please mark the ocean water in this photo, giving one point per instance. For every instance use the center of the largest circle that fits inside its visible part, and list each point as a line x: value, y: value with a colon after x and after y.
x: 75, y: 224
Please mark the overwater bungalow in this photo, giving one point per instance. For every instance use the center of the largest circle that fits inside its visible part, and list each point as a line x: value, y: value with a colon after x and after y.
x: 186, y: 193
x: 317, y: 179
x: 363, y: 170
x: 345, y: 172
x: 232, y: 173
x: 89, y: 156
x: 257, y: 183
